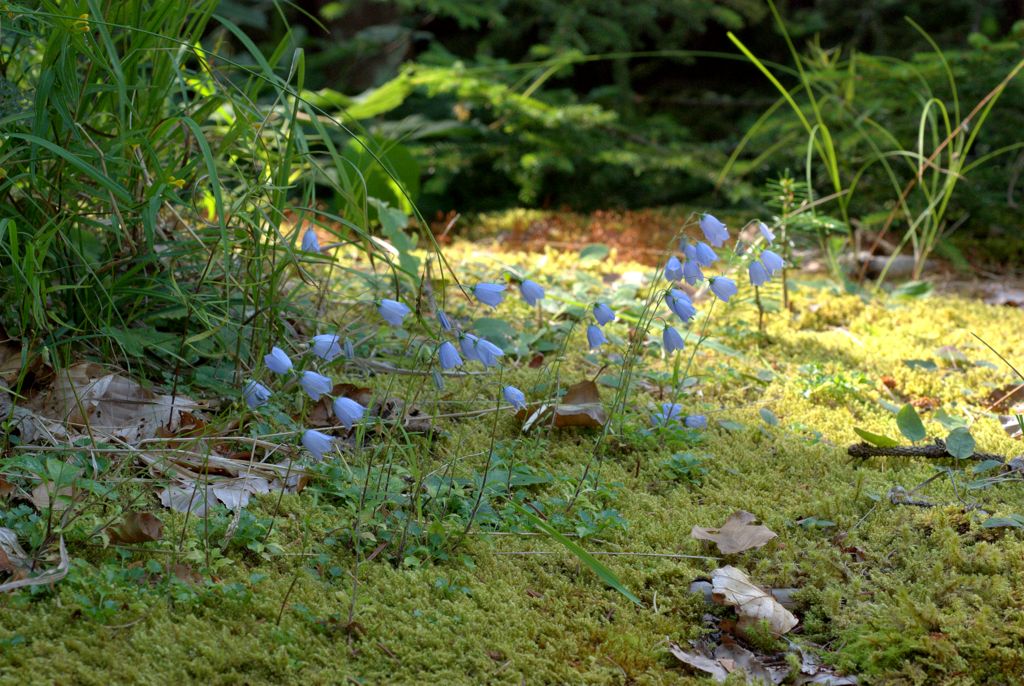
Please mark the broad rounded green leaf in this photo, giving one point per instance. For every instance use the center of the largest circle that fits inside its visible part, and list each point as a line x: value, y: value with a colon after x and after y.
x: 960, y: 443
x: 910, y: 424
x: 594, y: 252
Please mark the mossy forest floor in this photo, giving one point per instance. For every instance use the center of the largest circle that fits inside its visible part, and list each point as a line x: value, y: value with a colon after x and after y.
x: 894, y: 594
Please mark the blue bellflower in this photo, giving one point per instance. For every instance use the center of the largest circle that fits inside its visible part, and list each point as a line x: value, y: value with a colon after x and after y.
x: 448, y: 356
x: 603, y: 314
x: 531, y: 291
x: 772, y: 262
x: 680, y: 304
x: 696, y: 421
x: 277, y: 361
x: 487, y: 352
x: 692, y: 272
x: 672, y: 340
x: 595, y: 337
x: 317, y: 443
x: 758, y: 274
x: 670, y: 412
x: 255, y: 394
x: 310, y: 241
x: 326, y: 346
x: 315, y: 385
x: 393, y: 311
x: 723, y: 287
x: 348, y: 411
x: 705, y: 254
x: 673, y: 269
x: 443, y: 320
x: 766, y: 232
x: 489, y: 293
x: 515, y: 397
x: 714, y: 230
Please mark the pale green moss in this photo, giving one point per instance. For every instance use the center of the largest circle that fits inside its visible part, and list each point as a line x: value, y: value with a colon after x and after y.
x: 901, y: 595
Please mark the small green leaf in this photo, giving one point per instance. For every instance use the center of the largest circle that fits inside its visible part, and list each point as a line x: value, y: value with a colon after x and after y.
x: 986, y: 466
x: 769, y: 417
x: 960, y: 443
x: 875, y: 439
x: 948, y: 421
x: 912, y: 289
x: 910, y: 424
x: 595, y: 252
x: 730, y: 425
x: 1015, y: 521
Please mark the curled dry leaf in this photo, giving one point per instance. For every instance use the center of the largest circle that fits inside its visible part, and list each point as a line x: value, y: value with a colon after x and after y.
x: 46, y: 495
x: 580, y: 407
x: 235, y: 492
x: 708, y: 665
x: 87, y: 396
x: 49, y: 576
x: 136, y: 527
x: 188, y: 496
x: 739, y: 533
x: 753, y: 604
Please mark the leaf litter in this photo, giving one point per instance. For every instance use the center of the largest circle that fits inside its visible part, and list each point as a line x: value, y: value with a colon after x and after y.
x: 738, y: 534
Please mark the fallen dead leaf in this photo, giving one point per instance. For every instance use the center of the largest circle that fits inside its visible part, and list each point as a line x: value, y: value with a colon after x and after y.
x: 49, y: 576
x: 136, y: 527
x: 47, y: 493
x: 235, y: 492
x: 88, y: 397
x: 708, y: 665
x: 580, y: 407
x: 188, y: 496
x: 734, y: 588
x: 737, y: 534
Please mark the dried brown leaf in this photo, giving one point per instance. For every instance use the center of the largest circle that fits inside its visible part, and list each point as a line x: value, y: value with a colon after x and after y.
x: 709, y: 666
x: 46, y: 494
x: 581, y: 406
x: 739, y: 533
x: 137, y: 527
x: 753, y: 604
x: 49, y: 576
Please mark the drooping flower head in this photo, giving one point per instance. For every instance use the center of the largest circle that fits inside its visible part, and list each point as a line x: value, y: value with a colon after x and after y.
x: 714, y: 230
x: 531, y: 291
x: 772, y: 262
x: 672, y: 340
x: 766, y: 232
x: 515, y: 397
x: 673, y: 269
x: 670, y: 412
x: 443, y: 320
x: 315, y: 385
x: 692, y: 272
x: 724, y: 288
x: 595, y: 337
x: 255, y: 394
x: 680, y: 304
x: 310, y: 241
x: 487, y: 352
x: 758, y: 274
x: 393, y: 311
x: 317, y: 443
x: 326, y: 346
x: 467, y: 342
x: 448, y: 356
x: 603, y: 314
x: 490, y: 293
x: 277, y: 361
x: 704, y: 254
x: 348, y: 411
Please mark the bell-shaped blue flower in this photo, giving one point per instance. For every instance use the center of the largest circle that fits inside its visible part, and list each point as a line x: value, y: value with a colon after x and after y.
x: 670, y: 412
x: 315, y: 385
x: 705, y: 254
x: 326, y: 346
x: 714, y: 230
x: 772, y: 262
x: 255, y: 394
x: 487, y: 352
x: 448, y: 356
x: 696, y: 421
x: 515, y: 397
x: 758, y: 274
x: 603, y: 314
x: 672, y: 340
x: 673, y: 269
x: 310, y: 241
x: 317, y: 443
x: 680, y: 304
x: 595, y: 337
x: 490, y: 293
x: 468, y: 344
x: 766, y: 232
x: 692, y: 272
x: 393, y: 311
x: 277, y: 361
x: 531, y: 291
x: 443, y: 320
x: 723, y: 287
x: 348, y: 411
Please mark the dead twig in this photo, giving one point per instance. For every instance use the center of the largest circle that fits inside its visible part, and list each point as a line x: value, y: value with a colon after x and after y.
x: 935, y: 451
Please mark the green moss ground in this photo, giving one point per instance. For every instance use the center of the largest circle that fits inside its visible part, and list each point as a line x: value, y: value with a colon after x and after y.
x: 897, y: 594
